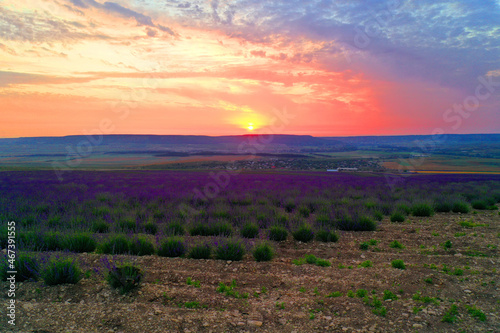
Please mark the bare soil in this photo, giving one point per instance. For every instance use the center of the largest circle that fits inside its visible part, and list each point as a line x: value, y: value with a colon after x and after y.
x: 284, y: 297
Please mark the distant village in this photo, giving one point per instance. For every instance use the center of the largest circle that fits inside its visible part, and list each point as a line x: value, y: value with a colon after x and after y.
x: 354, y: 165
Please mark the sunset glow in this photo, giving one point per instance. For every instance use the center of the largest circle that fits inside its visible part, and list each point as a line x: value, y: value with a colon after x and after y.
x: 224, y: 67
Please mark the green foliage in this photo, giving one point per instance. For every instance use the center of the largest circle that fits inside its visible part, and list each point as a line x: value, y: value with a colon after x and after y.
x: 428, y: 280
x: 334, y: 294
x: 26, y: 266
x: 278, y: 233
x: 361, y: 293
x: 397, y: 216
x: 312, y: 260
x: 450, y: 316
x: 118, y: 244
x: 177, y: 229
x: 290, y: 205
x: 53, y: 241
x: 280, y: 305
x: 263, y: 252
x: 364, y: 223
x: 470, y: 224
x: 221, y: 229
x: 376, y: 304
x: 172, y: 247
x: 125, y: 278
x: 396, y: 245
x: 447, y: 245
x: 60, y: 271
x: 389, y: 295
x: 323, y: 219
x: 476, y: 313
x: 158, y: 214
x: 218, y: 229
x: 327, y: 236
x: 380, y: 311
x: 426, y: 299
x: 417, y: 309
x: 364, y: 246
x: 31, y: 240
x: 460, y: 207
x: 422, y: 209
x: 443, y: 206
x: 100, y: 227
x: 151, y: 228
x: 250, y: 230
x: 304, y: 211
x: 398, y: 263
x: 141, y: 246
x: 100, y: 211
x: 199, y: 229
x: 127, y: 225
x: 194, y: 283
x: 366, y: 264
x: 323, y: 263
x: 479, y: 204
x: 230, y: 250
x: 229, y: 290
x: 403, y: 208
x: 80, y: 242
x: 200, y: 251
x: 378, y: 215
x: 194, y: 305
x: 304, y: 233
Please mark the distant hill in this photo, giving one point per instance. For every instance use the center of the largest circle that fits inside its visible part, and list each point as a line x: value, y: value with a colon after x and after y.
x: 407, y: 139
x: 123, y: 139
x: 138, y: 143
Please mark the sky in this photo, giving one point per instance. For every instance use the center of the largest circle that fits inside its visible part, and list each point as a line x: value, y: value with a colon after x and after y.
x: 215, y: 67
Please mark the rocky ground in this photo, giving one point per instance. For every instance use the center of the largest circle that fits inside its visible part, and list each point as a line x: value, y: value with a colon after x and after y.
x: 280, y: 296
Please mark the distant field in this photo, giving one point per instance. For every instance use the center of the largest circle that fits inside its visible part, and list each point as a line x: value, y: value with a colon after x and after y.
x: 100, y: 161
x: 445, y: 164
x: 216, y: 158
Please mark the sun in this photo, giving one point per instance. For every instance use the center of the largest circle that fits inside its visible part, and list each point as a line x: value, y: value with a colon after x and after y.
x: 250, y: 127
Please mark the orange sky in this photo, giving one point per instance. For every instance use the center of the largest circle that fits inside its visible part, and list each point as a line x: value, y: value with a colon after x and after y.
x: 217, y: 69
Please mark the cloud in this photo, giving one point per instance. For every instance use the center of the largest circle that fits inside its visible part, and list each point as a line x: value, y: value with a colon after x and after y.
x: 258, y: 53
x: 151, y: 32
x: 425, y: 40
x: 37, y: 28
x: 15, y: 78
x: 115, y: 8
x: 79, y: 3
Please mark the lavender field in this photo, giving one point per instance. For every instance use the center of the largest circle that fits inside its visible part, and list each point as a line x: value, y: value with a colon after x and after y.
x: 148, y: 202
x: 272, y: 251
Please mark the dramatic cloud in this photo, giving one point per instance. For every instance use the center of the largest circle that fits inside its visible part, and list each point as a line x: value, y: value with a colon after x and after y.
x: 115, y: 8
x: 213, y: 66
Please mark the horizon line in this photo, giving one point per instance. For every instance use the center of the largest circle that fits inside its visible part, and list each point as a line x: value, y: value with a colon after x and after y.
x: 247, y: 134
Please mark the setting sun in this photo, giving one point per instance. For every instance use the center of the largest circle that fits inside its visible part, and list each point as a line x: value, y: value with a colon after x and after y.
x: 250, y: 127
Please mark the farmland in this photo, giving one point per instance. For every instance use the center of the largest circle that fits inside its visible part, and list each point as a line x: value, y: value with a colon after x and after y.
x: 334, y: 269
